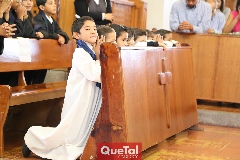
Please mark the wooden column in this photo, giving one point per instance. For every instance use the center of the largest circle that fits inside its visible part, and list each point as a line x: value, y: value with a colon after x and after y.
x: 66, y: 15
x: 140, y: 14
x: 123, y: 11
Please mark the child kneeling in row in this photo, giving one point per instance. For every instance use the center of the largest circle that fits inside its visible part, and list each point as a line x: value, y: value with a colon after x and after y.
x: 82, y: 102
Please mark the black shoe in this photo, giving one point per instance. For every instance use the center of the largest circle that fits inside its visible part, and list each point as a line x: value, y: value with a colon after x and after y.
x: 25, y: 150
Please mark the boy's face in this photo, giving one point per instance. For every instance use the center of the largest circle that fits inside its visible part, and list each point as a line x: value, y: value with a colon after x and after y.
x: 16, y: 3
x: 212, y: 3
x: 168, y: 37
x: 141, y: 39
x: 122, y: 39
x: 131, y: 41
x: 27, y: 4
x: 88, y: 32
x: 191, y: 3
x: 111, y: 37
x: 49, y: 8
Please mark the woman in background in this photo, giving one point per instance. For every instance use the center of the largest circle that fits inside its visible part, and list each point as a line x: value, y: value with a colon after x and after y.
x: 99, y: 10
x: 233, y: 22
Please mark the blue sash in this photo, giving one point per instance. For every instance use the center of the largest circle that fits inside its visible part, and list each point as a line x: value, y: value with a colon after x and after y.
x: 83, y: 45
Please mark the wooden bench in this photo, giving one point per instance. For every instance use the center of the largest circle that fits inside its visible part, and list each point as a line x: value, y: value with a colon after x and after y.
x: 45, y: 54
x: 148, y: 95
x: 216, y: 66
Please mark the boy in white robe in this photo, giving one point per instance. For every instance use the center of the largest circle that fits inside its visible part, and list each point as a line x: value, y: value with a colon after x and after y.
x: 82, y: 102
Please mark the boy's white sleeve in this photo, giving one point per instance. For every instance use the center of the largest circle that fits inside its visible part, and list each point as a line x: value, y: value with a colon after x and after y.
x: 90, y: 68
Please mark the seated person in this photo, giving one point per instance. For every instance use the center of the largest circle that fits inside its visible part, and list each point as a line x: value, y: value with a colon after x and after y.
x: 46, y: 24
x: 130, y: 40
x: 150, y: 35
x: 28, y: 4
x: 19, y: 15
x: 7, y: 78
x: 190, y: 16
x: 121, y: 35
x: 233, y: 22
x: 154, y: 29
x: 140, y: 38
x: 108, y: 33
x: 167, y: 38
x: 33, y: 76
x: 222, y: 8
x: 6, y: 29
x: 218, y: 18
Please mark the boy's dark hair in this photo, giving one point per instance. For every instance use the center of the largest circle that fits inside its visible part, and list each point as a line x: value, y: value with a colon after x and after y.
x: 222, y: 6
x: 41, y: 2
x: 163, y: 32
x: 238, y: 4
x: 130, y: 32
x: 150, y: 33
x: 138, y: 32
x: 118, y: 29
x: 104, y: 30
x: 79, y: 22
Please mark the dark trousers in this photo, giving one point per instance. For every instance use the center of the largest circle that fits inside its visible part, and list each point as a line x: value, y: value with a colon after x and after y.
x: 9, y: 78
x: 35, y: 76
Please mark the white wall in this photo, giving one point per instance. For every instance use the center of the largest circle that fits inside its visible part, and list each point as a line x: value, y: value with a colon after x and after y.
x: 158, y: 13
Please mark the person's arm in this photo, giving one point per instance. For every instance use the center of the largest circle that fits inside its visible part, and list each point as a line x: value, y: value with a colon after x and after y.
x: 230, y: 24
x: 174, y: 20
x: 81, y: 9
x: 205, y: 21
x: 90, y: 68
x: 109, y: 7
x: 28, y: 31
x: 40, y: 26
x: 58, y: 30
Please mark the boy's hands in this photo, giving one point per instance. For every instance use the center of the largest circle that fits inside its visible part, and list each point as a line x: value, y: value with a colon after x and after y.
x: 5, y: 6
x: 61, y: 39
x: 7, y: 30
x: 158, y: 38
x: 21, y: 12
x: 109, y: 16
x: 39, y: 35
x: 96, y: 46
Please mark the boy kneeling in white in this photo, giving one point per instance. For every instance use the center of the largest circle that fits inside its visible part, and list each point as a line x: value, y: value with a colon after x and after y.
x: 82, y: 102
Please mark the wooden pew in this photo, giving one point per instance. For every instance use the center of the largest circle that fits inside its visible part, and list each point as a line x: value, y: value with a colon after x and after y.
x: 142, y: 102
x: 45, y: 54
x: 216, y: 66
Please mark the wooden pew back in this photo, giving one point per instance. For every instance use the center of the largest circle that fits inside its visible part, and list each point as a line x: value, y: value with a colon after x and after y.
x: 45, y: 54
x: 148, y: 94
x: 216, y: 66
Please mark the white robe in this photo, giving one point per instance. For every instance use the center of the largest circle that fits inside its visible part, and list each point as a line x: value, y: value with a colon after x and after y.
x: 80, y: 109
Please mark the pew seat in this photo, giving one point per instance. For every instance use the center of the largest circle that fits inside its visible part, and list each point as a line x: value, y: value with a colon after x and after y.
x: 45, y: 54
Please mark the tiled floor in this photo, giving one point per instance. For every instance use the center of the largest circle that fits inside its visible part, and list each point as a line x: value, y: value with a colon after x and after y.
x: 214, y: 143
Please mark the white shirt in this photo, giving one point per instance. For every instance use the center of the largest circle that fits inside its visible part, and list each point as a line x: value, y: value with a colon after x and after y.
x: 97, y: 2
x: 49, y: 18
x: 82, y: 103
